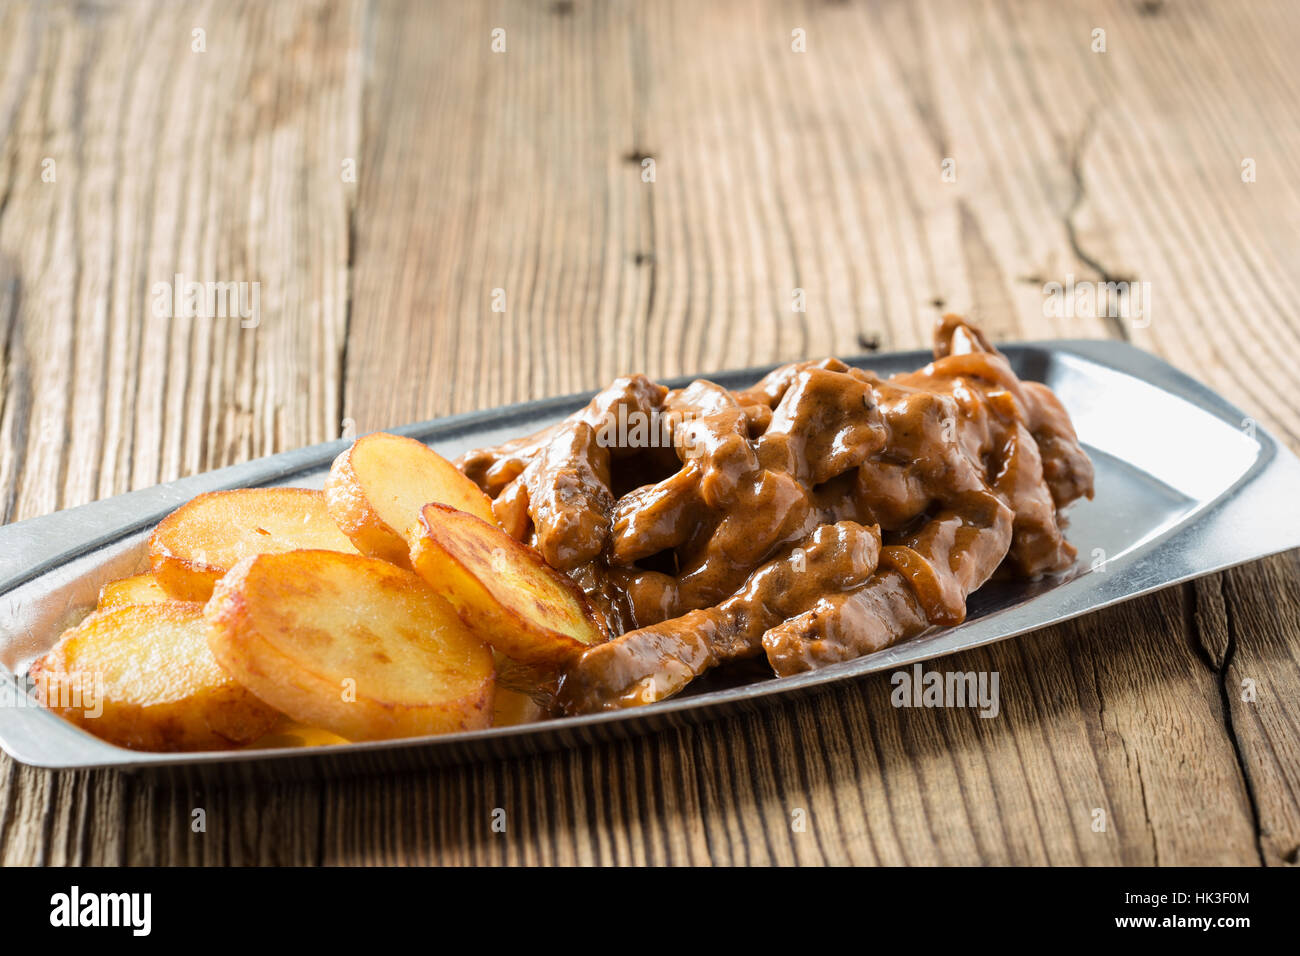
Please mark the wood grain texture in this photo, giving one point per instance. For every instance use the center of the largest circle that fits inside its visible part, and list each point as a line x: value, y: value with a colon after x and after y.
x: 525, y: 171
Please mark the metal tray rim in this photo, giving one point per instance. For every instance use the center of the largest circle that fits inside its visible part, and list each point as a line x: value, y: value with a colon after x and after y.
x: 30, y: 548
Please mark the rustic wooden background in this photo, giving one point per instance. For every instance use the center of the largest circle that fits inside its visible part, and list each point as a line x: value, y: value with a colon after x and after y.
x: 129, y: 156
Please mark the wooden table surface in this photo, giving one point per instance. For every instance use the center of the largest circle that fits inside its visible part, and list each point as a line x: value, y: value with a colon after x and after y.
x: 387, y: 177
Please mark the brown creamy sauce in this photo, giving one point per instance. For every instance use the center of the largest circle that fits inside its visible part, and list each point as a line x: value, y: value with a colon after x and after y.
x: 820, y: 515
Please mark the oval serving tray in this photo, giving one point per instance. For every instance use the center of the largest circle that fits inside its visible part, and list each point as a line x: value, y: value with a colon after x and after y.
x: 1186, y: 485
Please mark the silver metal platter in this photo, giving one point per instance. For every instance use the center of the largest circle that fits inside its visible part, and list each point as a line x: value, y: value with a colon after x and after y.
x: 1186, y: 485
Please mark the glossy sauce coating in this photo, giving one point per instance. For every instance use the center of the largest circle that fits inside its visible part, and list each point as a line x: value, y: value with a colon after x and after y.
x: 820, y: 515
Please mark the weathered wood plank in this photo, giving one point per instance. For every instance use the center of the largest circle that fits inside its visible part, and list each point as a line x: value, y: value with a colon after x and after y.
x: 774, y: 170
x: 222, y: 165
x: 1169, y: 195
x: 769, y: 161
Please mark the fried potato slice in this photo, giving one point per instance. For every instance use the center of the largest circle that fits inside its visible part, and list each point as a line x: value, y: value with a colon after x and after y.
x: 137, y: 589
x: 504, y: 590
x: 350, y: 644
x: 142, y: 676
x: 201, y: 540
x: 376, y: 489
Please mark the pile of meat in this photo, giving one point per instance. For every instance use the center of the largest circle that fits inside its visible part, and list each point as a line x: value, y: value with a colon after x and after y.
x: 820, y: 515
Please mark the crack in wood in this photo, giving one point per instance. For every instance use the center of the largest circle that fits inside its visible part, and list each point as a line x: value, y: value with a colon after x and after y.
x: 1114, y: 323
x: 1203, y: 652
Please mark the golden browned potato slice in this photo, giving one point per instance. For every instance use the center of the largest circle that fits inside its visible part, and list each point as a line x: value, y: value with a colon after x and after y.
x: 137, y: 589
x: 200, y: 541
x: 504, y: 590
x: 142, y: 676
x: 377, y: 487
x: 349, y: 644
